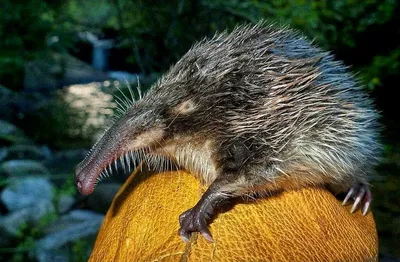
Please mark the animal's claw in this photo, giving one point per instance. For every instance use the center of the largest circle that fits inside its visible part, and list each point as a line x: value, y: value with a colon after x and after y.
x: 194, y: 220
x: 361, y: 195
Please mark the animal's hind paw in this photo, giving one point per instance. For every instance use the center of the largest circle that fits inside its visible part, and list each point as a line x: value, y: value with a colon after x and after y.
x: 194, y: 220
x: 361, y: 195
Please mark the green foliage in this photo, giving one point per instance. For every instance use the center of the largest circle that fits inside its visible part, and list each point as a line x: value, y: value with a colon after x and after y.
x: 68, y: 188
x: 156, y: 33
x: 381, y: 67
x: 21, y: 251
x: 81, y: 250
x: 24, y: 28
x: 27, y: 239
x: 53, y: 114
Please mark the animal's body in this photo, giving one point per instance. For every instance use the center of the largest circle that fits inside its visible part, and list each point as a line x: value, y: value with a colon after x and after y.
x: 258, y: 110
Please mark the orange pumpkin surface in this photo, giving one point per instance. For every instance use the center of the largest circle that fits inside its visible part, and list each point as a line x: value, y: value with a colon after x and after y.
x: 305, y: 225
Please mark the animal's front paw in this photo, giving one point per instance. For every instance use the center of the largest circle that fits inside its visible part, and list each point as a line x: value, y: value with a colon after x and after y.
x: 194, y: 220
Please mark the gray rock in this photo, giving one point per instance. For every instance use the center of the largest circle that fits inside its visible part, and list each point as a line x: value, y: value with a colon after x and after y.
x: 58, y: 70
x: 59, y: 255
x: 11, y: 133
x: 7, y: 101
x: 28, y: 201
x: 31, y: 152
x: 13, y: 221
x: 7, y: 128
x: 67, y: 229
x: 22, y: 167
x: 124, y: 77
x: 3, y: 153
x: 65, y: 203
x: 27, y: 192
x: 88, y: 221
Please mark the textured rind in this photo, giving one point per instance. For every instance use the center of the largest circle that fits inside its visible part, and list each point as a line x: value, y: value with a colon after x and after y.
x: 305, y: 225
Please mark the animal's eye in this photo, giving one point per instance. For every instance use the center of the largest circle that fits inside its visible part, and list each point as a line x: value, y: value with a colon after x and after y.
x: 184, y: 107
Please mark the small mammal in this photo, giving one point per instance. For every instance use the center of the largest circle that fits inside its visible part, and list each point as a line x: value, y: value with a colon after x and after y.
x: 260, y: 109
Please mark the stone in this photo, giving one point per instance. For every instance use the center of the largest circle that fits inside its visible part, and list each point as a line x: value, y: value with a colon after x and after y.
x: 58, y: 70
x: 69, y: 228
x: 11, y: 133
x: 27, y: 192
x: 31, y: 152
x: 20, y: 167
x: 65, y: 203
x: 32, y: 215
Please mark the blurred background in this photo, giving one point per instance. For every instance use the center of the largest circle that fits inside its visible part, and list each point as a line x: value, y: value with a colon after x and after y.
x: 61, y: 62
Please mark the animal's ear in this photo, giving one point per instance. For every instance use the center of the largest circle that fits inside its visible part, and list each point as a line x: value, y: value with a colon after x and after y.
x: 184, y: 107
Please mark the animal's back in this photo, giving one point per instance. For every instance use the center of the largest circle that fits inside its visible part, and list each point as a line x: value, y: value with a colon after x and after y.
x: 295, y: 108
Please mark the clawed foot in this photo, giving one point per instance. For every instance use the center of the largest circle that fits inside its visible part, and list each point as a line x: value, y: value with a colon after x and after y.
x: 194, y: 220
x: 361, y: 194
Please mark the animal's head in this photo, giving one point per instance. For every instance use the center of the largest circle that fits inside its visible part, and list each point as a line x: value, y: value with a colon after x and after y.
x: 194, y: 98
x: 172, y: 109
x: 142, y: 128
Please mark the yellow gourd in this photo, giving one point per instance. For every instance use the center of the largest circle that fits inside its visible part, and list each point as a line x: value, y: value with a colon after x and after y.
x: 305, y: 225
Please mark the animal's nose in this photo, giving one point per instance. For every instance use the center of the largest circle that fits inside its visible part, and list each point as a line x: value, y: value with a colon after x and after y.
x: 78, y: 184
